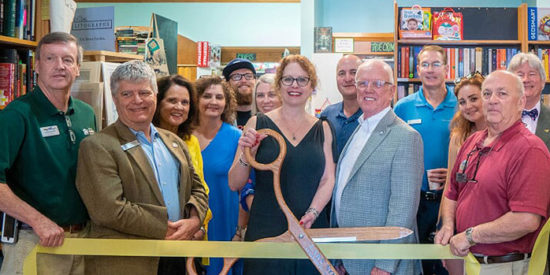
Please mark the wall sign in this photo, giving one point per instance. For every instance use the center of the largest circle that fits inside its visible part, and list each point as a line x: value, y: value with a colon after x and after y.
x: 381, y: 47
x: 248, y: 56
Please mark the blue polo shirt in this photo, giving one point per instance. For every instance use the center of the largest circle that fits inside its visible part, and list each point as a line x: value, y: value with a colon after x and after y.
x: 343, y: 126
x: 433, y: 126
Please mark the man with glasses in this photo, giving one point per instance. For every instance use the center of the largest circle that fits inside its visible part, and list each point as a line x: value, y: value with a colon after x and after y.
x: 137, y: 181
x: 380, y: 170
x: 429, y: 111
x: 497, y: 200
x: 241, y: 75
x: 343, y: 115
x: 40, y: 135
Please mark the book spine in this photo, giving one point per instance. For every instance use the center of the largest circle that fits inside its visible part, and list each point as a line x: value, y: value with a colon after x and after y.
x: 411, y: 62
x: 494, y: 60
x: 19, y: 18
x: 9, y: 17
x: 479, y: 59
x: 460, y: 62
x: 485, y: 61
x: 7, y: 72
x: 532, y: 23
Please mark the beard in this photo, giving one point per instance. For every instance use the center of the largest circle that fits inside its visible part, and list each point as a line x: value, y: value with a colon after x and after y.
x: 243, y: 99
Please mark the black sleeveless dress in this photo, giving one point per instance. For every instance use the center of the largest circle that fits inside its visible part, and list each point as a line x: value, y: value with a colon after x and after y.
x: 301, y: 172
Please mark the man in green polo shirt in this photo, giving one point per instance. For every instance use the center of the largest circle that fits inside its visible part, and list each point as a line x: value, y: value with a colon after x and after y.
x: 39, y: 138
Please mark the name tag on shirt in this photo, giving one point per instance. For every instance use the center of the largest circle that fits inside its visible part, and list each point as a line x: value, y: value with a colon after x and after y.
x: 49, y: 131
x: 129, y: 145
x: 414, y: 121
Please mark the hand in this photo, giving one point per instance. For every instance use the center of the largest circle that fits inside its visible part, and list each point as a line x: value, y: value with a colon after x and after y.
x: 50, y: 233
x: 444, y: 235
x: 378, y: 271
x: 183, y: 229
x: 438, y: 175
x: 460, y: 245
x: 251, y: 139
x: 307, y: 220
x: 340, y: 269
x: 199, y: 235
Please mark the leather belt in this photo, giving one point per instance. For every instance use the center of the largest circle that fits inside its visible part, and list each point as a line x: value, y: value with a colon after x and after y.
x: 72, y: 228
x: 512, y: 257
x: 430, y: 196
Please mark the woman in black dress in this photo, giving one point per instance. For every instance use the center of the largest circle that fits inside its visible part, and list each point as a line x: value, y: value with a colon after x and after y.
x: 307, y: 174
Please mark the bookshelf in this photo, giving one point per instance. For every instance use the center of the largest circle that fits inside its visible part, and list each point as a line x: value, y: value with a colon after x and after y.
x: 17, y: 54
x: 497, y: 35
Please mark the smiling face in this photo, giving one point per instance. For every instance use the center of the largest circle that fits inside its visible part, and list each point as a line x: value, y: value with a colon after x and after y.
x: 294, y: 94
x: 212, y: 102
x: 432, y: 69
x: 373, y: 99
x: 243, y: 87
x: 502, y: 101
x: 174, y: 107
x: 345, y: 76
x: 266, y: 98
x: 469, y: 103
x: 532, y: 83
x: 135, y: 103
x: 57, y: 66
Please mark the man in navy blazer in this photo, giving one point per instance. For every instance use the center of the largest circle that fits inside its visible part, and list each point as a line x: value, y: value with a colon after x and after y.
x: 380, y: 170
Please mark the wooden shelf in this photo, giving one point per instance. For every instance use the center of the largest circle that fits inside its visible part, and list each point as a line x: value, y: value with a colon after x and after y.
x: 458, y: 42
x: 370, y: 37
x: 183, y: 1
x: 539, y: 42
x: 107, y: 56
x: 11, y: 41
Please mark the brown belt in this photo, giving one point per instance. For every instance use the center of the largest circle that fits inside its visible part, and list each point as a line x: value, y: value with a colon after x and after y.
x: 73, y: 228
x: 512, y: 257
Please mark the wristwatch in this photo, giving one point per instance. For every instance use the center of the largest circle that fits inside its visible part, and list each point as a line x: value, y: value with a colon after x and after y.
x: 469, y: 237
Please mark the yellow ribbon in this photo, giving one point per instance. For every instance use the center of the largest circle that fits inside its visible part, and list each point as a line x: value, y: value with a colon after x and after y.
x: 156, y: 248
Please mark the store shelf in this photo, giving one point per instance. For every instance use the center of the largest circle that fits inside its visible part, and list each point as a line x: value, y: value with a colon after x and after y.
x: 458, y: 42
x: 545, y: 42
x: 413, y: 80
x: 107, y: 56
x: 14, y: 42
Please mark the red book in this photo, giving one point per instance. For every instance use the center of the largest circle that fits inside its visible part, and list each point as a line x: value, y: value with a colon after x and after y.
x: 7, y: 83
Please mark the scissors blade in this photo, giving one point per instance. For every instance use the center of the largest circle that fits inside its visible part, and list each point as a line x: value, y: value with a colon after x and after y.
x: 347, y: 234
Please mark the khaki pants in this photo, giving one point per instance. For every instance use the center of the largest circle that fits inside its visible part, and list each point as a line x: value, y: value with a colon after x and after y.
x: 511, y: 268
x: 47, y: 264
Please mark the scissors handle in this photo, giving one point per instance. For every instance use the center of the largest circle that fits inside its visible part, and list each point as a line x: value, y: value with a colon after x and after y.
x: 304, y: 240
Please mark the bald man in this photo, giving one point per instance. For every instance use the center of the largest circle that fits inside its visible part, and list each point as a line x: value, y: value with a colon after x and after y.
x: 343, y: 115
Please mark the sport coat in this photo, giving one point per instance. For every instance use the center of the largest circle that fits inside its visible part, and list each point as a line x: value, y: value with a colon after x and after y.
x: 543, y: 125
x: 118, y: 186
x: 383, y: 189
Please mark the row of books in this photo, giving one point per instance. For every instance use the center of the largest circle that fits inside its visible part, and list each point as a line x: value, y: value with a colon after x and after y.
x: 543, y: 54
x: 17, y: 18
x: 131, y: 39
x: 16, y: 74
x: 462, y: 61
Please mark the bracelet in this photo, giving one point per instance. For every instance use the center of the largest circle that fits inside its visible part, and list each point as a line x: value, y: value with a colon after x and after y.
x: 313, y: 211
x: 242, y: 162
x: 240, y: 231
x: 203, y: 230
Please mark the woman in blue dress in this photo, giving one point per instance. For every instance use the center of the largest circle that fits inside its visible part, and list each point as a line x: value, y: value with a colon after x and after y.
x: 218, y: 141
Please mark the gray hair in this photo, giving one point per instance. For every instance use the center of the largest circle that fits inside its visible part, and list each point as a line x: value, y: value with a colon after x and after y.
x: 371, y: 62
x: 135, y: 71
x: 60, y: 37
x: 267, y: 79
x: 531, y: 59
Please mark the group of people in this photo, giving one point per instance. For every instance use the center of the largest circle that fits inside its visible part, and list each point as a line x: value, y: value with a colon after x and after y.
x: 465, y: 169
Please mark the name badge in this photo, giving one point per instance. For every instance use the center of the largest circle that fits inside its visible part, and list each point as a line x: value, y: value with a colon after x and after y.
x: 49, y: 131
x: 414, y: 121
x: 129, y: 145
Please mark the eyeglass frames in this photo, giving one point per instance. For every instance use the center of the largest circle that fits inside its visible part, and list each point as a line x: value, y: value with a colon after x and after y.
x: 237, y: 76
x: 469, y: 76
x: 301, y: 81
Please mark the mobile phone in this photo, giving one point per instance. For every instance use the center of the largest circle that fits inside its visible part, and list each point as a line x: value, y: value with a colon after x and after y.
x: 10, y: 229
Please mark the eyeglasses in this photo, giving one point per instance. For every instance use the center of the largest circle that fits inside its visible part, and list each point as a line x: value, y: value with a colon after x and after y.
x: 435, y: 65
x: 301, y: 81
x: 469, y: 76
x: 237, y: 76
x: 69, y: 126
x: 377, y: 84
x: 461, y: 177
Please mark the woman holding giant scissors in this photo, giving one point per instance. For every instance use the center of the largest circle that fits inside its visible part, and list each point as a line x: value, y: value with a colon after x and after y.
x: 307, y: 173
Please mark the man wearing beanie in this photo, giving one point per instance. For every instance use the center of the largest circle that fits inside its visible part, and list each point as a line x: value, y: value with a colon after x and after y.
x: 241, y: 75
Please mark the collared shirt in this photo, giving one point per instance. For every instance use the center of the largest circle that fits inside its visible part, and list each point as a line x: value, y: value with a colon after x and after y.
x: 355, y: 147
x: 343, y: 126
x: 511, y: 174
x: 529, y: 122
x: 38, y: 154
x: 432, y: 124
x: 166, y: 168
